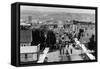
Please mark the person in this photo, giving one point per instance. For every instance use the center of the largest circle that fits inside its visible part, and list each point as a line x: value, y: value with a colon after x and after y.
x: 42, y: 40
x: 92, y: 44
x: 62, y: 44
x: 70, y: 51
x: 38, y: 38
x: 66, y: 48
x: 51, y: 39
x: 35, y: 37
x: 80, y: 33
x: 70, y: 38
x: 46, y: 59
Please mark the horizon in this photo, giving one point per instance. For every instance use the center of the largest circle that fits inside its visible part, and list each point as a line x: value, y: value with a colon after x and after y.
x: 42, y: 9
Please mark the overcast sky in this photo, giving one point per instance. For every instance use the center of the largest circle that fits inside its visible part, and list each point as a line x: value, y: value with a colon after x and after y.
x: 54, y: 9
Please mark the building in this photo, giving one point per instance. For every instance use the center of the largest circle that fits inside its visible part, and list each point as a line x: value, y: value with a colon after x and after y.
x: 88, y: 30
x: 28, y: 53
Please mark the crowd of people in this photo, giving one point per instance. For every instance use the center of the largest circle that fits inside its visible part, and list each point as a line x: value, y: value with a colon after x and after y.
x: 59, y: 39
x: 48, y: 38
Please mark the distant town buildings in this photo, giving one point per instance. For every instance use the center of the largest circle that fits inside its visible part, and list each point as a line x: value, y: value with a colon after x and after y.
x: 83, y: 30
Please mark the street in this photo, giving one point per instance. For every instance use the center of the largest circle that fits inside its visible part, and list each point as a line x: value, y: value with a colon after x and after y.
x: 56, y: 57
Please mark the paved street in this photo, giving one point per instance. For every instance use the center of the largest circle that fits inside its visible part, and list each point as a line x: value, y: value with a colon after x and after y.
x: 55, y: 56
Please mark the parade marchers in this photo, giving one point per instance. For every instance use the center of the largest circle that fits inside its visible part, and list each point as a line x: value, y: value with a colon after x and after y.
x: 70, y: 54
x: 62, y: 45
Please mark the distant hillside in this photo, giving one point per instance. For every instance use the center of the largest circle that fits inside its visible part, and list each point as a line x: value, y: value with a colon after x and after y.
x: 59, y: 16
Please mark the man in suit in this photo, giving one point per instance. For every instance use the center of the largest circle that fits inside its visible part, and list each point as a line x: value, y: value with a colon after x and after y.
x: 51, y: 39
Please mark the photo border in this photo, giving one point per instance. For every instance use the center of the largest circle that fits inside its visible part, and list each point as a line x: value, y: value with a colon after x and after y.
x: 18, y: 4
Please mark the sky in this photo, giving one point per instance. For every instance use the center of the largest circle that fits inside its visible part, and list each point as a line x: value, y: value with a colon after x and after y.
x: 54, y: 9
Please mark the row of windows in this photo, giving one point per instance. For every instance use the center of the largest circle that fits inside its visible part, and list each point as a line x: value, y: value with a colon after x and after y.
x: 25, y: 44
x: 28, y: 57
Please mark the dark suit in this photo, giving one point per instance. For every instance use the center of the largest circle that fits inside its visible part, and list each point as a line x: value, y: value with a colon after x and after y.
x: 51, y: 39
